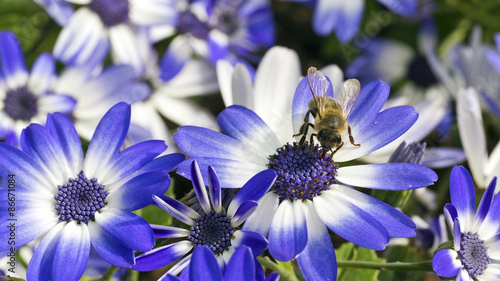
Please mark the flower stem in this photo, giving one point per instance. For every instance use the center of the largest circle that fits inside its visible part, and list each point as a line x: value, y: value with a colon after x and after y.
x: 285, y: 275
x: 397, y: 266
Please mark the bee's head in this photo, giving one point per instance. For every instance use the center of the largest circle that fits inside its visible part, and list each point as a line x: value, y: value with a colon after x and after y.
x: 329, y: 138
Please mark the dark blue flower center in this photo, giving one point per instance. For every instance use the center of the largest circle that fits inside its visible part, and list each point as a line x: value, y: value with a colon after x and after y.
x: 473, y: 254
x: 111, y: 12
x: 421, y: 73
x: 226, y: 15
x: 21, y: 104
x: 303, y: 171
x: 79, y: 199
x: 189, y: 23
x: 213, y: 230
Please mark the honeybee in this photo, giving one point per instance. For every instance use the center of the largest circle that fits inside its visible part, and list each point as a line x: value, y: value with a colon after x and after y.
x: 330, y: 114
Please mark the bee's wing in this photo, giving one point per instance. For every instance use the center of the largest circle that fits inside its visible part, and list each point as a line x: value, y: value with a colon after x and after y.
x: 352, y: 87
x: 318, y: 85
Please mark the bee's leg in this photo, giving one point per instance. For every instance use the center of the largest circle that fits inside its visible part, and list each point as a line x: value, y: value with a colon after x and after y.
x: 338, y: 147
x: 311, y: 141
x: 351, y: 138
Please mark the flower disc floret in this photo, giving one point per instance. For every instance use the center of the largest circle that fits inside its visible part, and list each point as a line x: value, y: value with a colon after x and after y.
x: 473, y: 254
x: 79, y: 199
x: 213, y: 230
x: 21, y: 104
x: 111, y: 12
x: 303, y: 171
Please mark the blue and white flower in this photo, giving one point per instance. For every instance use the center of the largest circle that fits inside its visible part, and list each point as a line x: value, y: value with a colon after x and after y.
x: 26, y: 98
x: 473, y: 137
x: 344, y: 17
x: 241, y: 266
x: 101, y: 25
x: 475, y: 251
x: 212, y: 226
x: 395, y: 62
x: 75, y: 201
x: 97, y: 91
x: 221, y: 29
x: 171, y: 100
x: 310, y: 192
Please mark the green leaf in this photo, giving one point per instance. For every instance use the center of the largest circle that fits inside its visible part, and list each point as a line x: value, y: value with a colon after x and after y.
x: 349, y: 251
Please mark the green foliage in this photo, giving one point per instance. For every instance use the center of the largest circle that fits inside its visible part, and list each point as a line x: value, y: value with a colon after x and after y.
x: 349, y: 251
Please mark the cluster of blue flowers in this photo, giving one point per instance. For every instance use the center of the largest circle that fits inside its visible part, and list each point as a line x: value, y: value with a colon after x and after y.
x: 292, y: 167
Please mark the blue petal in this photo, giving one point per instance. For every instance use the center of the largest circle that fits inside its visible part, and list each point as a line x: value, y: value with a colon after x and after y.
x: 450, y: 213
x: 462, y: 194
x: 28, y: 173
x: 246, y: 126
x: 253, y: 189
x: 204, y: 265
x: 243, y: 212
x: 202, y: 142
x: 68, y: 140
x: 165, y: 231
x: 199, y: 187
x: 72, y: 252
x: 40, y: 265
x: 388, y: 176
x: 12, y: 59
x: 131, y: 159
x: 218, y: 46
x: 109, y: 249
x: 231, y: 173
x: 107, y: 139
x: 350, y: 222
x: 43, y: 74
x: 34, y: 218
x: 494, y: 106
x: 491, y: 224
x: 396, y: 223
x: 164, y: 163
x: 317, y: 261
x: 484, y: 205
x: 176, y: 209
x: 137, y: 193
x: 60, y: 11
x: 161, y: 256
x: 372, y: 98
x: 405, y: 8
x: 214, y: 190
x: 288, y: 231
x: 379, y: 132
x: 126, y: 228
x: 349, y: 20
x: 273, y: 277
x: 255, y: 241
x: 446, y: 264
x: 177, y: 54
x: 82, y: 40
x: 240, y: 267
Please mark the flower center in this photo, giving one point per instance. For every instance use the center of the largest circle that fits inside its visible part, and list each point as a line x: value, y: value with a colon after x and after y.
x: 227, y: 16
x: 111, y: 12
x: 21, y: 104
x: 473, y: 254
x: 191, y: 24
x: 303, y: 171
x: 213, y: 230
x: 79, y: 199
x: 421, y: 73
